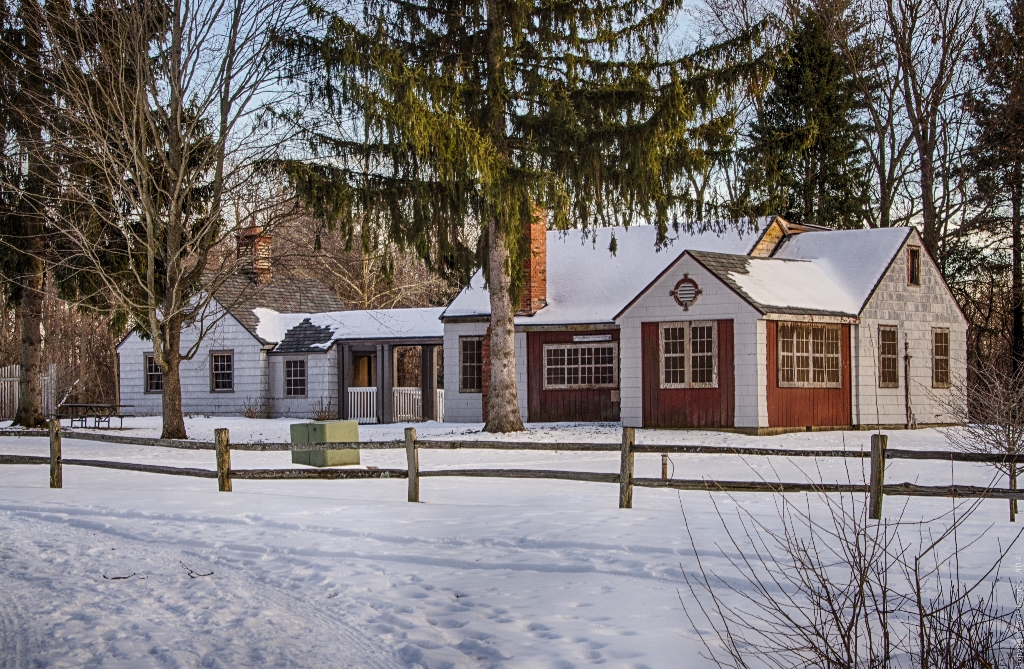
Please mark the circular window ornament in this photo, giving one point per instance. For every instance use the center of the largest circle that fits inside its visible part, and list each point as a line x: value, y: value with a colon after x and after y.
x: 686, y: 292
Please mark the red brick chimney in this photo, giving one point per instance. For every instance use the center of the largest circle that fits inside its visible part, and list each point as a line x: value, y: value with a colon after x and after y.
x: 254, y: 253
x: 535, y: 266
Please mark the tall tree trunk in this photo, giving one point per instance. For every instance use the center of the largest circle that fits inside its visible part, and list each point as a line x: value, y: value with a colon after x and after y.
x: 173, y: 418
x: 1016, y: 289
x: 32, y: 209
x: 929, y: 215
x: 30, y: 413
x: 503, y: 396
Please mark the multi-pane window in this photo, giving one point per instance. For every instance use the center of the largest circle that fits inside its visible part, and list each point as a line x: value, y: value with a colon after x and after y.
x: 471, y: 364
x: 914, y: 265
x: 294, y: 378
x: 154, y: 376
x: 888, y: 357
x: 689, y: 355
x: 673, y: 355
x: 580, y: 365
x: 940, y: 358
x: 222, y: 372
x: 809, y: 355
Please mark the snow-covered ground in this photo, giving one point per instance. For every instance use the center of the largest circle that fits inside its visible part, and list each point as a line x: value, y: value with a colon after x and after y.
x: 484, y: 572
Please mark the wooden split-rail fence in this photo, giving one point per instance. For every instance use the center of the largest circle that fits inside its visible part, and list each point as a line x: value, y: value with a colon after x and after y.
x: 876, y: 488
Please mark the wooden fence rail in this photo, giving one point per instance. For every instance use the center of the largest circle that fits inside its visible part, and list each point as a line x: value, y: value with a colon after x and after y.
x: 875, y: 488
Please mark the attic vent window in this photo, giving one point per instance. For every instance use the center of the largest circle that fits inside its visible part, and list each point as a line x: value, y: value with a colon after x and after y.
x: 914, y: 265
x: 686, y: 292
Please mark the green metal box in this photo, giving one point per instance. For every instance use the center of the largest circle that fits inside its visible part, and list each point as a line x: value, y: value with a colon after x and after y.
x: 342, y: 431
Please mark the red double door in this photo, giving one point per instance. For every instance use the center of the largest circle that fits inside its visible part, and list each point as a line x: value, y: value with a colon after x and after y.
x: 688, y: 407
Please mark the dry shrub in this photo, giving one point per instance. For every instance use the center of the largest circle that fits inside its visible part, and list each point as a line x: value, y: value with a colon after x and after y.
x: 834, y: 589
x: 256, y: 408
x: 323, y: 409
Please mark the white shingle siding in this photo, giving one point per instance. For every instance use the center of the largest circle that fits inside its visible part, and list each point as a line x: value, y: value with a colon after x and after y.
x: 257, y: 376
x: 716, y: 302
x: 914, y: 310
x: 196, y: 394
x: 321, y: 384
x: 463, y: 407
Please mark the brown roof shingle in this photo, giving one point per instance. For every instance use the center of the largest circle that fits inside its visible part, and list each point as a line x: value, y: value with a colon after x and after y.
x: 239, y: 295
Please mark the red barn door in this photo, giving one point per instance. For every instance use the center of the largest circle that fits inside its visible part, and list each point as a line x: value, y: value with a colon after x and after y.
x: 688, y: 407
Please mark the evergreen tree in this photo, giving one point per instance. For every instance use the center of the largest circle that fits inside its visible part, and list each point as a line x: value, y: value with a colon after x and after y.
x: 448, y: 121
x: 804, y: 160
x: 26, y: 173
x: 997, y: 157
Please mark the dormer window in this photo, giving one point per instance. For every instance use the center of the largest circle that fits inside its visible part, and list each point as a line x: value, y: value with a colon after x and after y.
x: 914, y: 265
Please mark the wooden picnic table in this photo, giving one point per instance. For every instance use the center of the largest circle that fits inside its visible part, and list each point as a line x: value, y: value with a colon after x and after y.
x: 100, y: 413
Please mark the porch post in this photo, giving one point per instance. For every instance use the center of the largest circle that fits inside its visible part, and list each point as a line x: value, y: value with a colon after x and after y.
x: 385, y: 382
x: 344, y: 380
x: 428, y: 381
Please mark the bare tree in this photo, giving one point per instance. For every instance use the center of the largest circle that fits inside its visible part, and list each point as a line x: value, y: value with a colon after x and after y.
x: 989, y: 412
x: 160, y: 124
x: 826, y: 587
x: 370, y: 273
x: 932, y: 41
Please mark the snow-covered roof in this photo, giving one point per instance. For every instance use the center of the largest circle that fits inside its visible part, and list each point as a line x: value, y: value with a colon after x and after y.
x: 317, y: 331
x: 772, y: 285
x: 587, y: 284
x: 854, y: 259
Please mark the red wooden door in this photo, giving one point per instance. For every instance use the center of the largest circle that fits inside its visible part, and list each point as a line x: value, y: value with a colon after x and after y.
x: 688, y: 407
x: 808, y: 407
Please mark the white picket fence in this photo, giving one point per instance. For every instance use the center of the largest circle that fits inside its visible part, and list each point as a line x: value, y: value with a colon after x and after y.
x: 407, y: 405
x: 362, y: 405
x: 9, y: 376
x: 439, y: 406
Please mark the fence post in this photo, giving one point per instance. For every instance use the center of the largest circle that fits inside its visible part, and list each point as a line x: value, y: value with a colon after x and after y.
x: 879, y: 442
x: 221, y: 437
x: 664, y: 466
x: 626, y: 469
x: 412, y: 455
x: 56, y: 466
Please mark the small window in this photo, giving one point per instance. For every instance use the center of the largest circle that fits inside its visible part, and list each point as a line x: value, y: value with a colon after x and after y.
x: 888, y: 357
x: 809, y: 356
x: 471, y: 364
x: 689, y: 354
x: 580, y: 366
x: 154, y: 376
x: 914, y: 265
x: 294, y: 378
x: 222, y: 372
x: 940, y: 358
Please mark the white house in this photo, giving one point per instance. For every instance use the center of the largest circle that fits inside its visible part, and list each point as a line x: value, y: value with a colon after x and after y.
x: 795, y: 327
x: 282, y: 349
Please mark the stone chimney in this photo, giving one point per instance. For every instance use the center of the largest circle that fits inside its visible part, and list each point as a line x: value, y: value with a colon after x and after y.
x: 254, y: 254
x: 535, y: 267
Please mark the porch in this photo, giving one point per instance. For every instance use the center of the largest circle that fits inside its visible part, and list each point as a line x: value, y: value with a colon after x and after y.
x: 390, y: 381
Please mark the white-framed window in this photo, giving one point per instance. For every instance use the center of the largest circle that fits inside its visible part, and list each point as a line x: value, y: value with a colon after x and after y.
x: 689, y: 354
x: 471, y: 364
x: 590, y: 365
x: 154, y: 375
x: 222, y: 371
x: 809, y: 355
x: 888, y: 357
x: 295, y: 378
x: 940, y: 358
